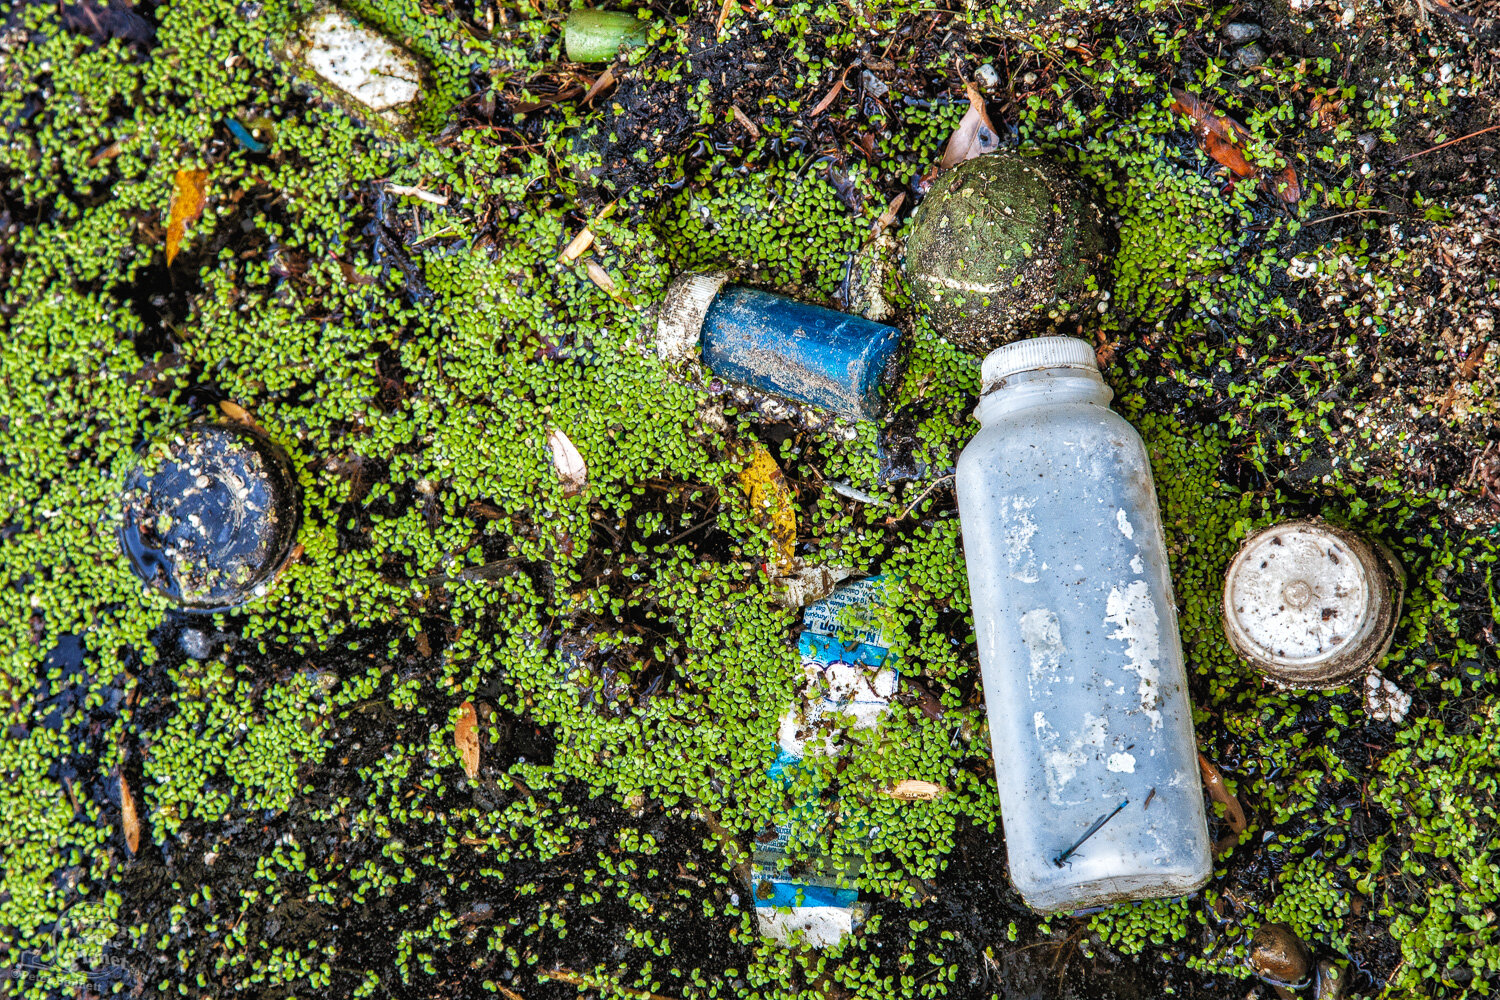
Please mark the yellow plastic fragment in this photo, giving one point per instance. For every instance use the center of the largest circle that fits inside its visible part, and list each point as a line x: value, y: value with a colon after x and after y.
x: 772, y: 504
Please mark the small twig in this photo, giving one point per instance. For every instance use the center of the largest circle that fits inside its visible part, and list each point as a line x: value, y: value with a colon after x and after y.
x: 924, y: 494
x: 1097, y: 826
x: 688, y: 531
x: 418, y: 193
x: 1341, y: 215
x: 744, y: 120
x: 1445, y: 145
x: 574, y: 979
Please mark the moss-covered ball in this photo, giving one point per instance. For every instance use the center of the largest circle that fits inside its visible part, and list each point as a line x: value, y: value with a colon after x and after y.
x: 1005, y: 245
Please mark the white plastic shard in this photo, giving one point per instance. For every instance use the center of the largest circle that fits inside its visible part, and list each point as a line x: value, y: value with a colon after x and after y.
x: 571, y: 469
x: 819, y: 926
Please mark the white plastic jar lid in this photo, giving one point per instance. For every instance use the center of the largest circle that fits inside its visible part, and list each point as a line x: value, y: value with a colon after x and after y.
x: 1310, y: 605
x: 1036, y: 353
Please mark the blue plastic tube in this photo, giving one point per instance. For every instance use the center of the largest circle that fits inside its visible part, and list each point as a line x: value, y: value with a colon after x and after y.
x: 788, y: 348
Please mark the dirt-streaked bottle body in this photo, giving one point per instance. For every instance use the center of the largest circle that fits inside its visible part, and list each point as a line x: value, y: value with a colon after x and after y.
x: 1078, y: 643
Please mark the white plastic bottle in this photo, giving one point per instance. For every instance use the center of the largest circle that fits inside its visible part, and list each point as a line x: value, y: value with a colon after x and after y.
x: 1089, y: 715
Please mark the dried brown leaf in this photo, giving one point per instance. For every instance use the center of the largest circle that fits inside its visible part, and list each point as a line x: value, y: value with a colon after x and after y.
x: 107, y: 153
x: 975, y: 134
x: 130, y: 818
x: 599, y: 86
x: 466, y: 738
x: 912, y: 790
x: 189, y: 194
x: 236, y: 412
x: 599, y: 276
x: 889, y: 215
x: 823, y: 105
x: 723, y: 16
x: 1223, y: 139
x: 1234, y: 815
x: 571, y: 469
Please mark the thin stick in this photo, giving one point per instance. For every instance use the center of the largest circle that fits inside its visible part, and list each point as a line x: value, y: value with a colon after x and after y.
x: 1098, y: 825
x: 574, y: 979
x: 1445, y: 145
x: 1341, y: 215
x: 924, y: 495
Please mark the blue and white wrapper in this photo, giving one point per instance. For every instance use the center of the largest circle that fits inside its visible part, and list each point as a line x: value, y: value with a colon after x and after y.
x: 849, y: 673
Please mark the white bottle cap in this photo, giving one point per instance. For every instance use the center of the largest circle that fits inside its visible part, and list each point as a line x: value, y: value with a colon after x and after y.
x: 679, y: 320
x: 1311, y: 605
x: 1035, y: 353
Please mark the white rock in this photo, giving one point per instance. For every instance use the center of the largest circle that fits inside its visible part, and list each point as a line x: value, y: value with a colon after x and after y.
x: 360, y: 62
x: 1384, y: 701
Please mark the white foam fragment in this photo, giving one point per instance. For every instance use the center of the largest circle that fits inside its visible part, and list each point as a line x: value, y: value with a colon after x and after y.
x: 360, y: 62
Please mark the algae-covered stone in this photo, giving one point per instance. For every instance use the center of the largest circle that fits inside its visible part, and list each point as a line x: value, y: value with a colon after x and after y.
x: 1005, y: 245
x: 358, y: 68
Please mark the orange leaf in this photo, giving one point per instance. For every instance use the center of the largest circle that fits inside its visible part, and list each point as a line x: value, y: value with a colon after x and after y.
x: 189, y: 192
x: 975, y: 134
x: 1234, y: 814
x: 1222, y: 138
x: 236, y: 412
x: 1219, y: 136
x: 129, y: 818
x: 466, y: 738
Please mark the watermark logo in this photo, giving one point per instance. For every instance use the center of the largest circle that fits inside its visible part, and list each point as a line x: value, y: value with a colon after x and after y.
x: 74, y: 954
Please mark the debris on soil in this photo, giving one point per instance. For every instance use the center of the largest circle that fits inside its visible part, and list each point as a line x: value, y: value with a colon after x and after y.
x: 975, y: 135
x: 305, y: 827
x: 571, y: 469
